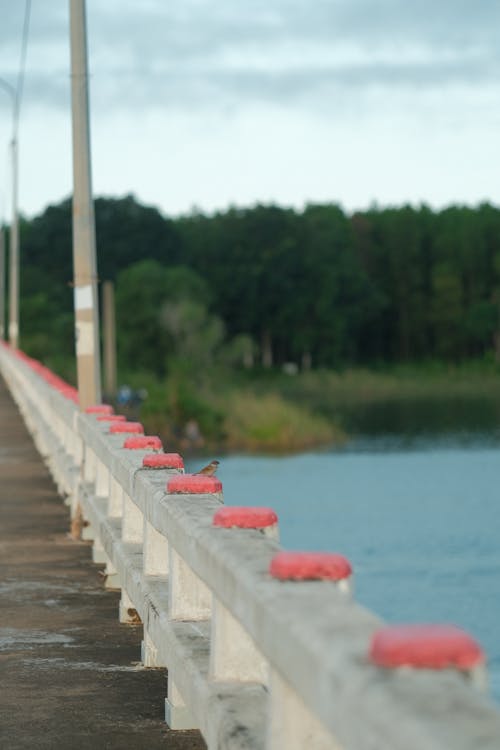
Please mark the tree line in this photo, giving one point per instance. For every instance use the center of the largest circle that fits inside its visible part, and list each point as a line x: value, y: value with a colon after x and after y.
x: 317, y: 287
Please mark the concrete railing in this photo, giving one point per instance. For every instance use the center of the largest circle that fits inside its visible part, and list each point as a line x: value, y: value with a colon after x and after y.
x: 254, y: 661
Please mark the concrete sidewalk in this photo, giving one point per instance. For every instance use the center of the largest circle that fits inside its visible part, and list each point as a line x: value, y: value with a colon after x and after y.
x: 69, y: 672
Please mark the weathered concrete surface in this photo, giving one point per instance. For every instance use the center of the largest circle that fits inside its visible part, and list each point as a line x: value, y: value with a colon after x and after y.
x: 69, y: 672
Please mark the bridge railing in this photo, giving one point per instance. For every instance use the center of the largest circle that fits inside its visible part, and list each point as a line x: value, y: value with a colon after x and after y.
x: 253, y: 661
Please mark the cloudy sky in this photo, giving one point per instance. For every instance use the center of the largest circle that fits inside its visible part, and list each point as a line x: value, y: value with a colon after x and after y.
x: 196, y: 103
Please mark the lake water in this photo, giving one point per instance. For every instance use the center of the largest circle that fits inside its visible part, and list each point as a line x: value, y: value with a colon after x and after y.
x: 419, y: 520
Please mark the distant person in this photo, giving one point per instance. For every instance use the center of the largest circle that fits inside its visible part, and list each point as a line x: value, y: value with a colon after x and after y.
x: 192, y: 433
x: 124, y: 395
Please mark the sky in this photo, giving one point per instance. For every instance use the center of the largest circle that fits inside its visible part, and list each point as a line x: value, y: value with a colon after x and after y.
x: 199, y: 105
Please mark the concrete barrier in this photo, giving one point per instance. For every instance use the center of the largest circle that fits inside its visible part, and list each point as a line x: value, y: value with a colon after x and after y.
x: 260, y: 654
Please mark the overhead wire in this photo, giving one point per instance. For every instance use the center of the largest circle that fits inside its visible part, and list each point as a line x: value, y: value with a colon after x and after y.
x: 16, y: 92
x: 22, y: 63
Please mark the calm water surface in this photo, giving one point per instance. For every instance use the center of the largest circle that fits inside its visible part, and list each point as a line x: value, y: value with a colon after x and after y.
x: 419, y: 520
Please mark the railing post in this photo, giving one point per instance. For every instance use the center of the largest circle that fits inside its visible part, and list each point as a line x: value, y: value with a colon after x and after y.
x: 291, y: 724
x: 234, y: 655
x: 155, y: 554
x: 132, y: 521
x: 114, y: 513
x: 188, y: 599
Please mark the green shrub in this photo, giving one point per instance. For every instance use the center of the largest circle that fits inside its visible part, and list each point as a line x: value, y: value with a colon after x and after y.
x: 270, y: 423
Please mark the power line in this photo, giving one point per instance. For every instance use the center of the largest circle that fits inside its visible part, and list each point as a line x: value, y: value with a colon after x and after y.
x: 22, y: 63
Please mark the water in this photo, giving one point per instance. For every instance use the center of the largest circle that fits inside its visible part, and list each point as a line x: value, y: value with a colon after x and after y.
x: 419, y: 520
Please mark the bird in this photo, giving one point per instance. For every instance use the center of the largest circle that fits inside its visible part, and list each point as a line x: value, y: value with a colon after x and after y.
x: 210, y: 469
x: 77, y: 525
x: 133, y: 616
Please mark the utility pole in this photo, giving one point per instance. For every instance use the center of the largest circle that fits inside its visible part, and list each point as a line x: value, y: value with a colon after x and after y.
x: 14, y: 227
x: 2, y: 281
x: 84, y: 243
x: 109, y: 338
x: 14, y: 251
x: 16, y: 95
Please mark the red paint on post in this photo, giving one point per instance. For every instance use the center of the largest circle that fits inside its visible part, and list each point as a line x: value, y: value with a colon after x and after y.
x: 193, y: 484
x: 134, y: 428
x: 425, y: 647
x: 310, y: 566
x: 143, y: 442
x: 163, y: 461
x: 51, y: 378
x: 112, y: 418
x: 99, y: 409
x: 69, y: 392
x: 245, y: 518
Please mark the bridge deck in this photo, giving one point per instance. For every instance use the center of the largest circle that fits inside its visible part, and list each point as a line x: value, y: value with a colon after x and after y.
x: 69, y: 671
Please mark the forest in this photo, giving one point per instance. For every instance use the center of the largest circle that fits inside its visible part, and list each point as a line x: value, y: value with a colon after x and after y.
x: 317, y: 287
x: 268, y: 288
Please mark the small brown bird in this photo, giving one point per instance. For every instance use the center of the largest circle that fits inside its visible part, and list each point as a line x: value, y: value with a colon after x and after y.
x: 77, y: 524
x: 133, y: 616
x: 210, y: 469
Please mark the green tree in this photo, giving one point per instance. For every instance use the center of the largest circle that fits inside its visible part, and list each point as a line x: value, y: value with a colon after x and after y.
x: 445, y: 313
x: 142, y: 292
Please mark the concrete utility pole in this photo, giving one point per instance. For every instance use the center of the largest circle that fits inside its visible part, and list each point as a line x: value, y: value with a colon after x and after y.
x: 84, y: 243
x: 14, y: 228
x: 2, y: 282
x: 14, y: 253
x: 109, y: 338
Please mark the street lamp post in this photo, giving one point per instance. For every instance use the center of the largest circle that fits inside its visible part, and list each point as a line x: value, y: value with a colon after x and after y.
x: 14, y: 229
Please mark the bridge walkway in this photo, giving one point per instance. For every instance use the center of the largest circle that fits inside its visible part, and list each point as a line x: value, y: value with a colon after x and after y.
x: 69, y: 671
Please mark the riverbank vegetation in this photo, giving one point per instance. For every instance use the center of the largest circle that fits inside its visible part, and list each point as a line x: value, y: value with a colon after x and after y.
x: 267, y: 328
x: 277, y: 412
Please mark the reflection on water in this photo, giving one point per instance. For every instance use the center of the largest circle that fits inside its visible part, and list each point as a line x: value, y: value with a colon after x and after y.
x: 419, y: 520
x: 423, y: 441
x: 411, y: 418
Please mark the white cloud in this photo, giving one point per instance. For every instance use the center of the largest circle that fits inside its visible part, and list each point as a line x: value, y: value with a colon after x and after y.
x: 197, y: 102
x: 189, y: 52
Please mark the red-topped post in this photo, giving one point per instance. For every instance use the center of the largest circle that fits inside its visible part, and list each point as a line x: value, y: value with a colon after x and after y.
x: 261, y: 519
x: 194, y: 484
x: 428, y: 646
x: 163, y: 461
x: 143, y: 442
x: 313, y: 566
x: 131, y: 428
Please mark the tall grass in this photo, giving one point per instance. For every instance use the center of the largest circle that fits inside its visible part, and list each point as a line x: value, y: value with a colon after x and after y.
x: 270, y: 423
x: 353, y: 387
